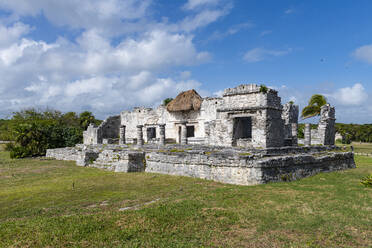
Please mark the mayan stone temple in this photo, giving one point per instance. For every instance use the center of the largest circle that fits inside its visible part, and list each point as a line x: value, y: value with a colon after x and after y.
x: 245, y: 137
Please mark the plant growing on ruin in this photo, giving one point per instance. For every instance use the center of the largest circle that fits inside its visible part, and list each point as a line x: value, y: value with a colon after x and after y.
x: 263, y: 89
x: 314, y: 107
x: 166, y: 101
x: 367, y: 181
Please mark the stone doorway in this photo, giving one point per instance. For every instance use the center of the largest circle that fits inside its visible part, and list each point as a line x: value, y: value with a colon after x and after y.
x: 242, y: 128
x: 151, y: 133
x: 179, y: 134
x: 190, y: 131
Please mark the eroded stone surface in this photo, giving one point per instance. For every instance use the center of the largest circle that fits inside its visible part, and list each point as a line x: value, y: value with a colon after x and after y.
x: 244, y: 137
x: 222, y: 164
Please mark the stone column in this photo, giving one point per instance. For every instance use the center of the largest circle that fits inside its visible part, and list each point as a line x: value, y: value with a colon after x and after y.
x: 122, y: 135
x: 183, y: 133
x: 162, y: 134
x: 294, y: 131
x: 307, y: 134
x: 139, y: 135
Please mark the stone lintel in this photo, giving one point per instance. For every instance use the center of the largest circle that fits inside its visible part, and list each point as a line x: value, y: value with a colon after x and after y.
x: 248, y: 109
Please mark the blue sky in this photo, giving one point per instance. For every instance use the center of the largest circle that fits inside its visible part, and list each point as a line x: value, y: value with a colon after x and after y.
x: 107, y: 56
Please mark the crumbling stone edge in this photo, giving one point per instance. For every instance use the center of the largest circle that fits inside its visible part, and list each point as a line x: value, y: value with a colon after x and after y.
x: 230, y: 166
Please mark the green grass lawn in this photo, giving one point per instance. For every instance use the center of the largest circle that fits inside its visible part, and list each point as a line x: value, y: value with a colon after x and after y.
x: 47, y: 203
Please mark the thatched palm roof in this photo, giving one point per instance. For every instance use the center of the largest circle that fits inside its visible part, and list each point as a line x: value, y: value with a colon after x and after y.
x: 185, y: 101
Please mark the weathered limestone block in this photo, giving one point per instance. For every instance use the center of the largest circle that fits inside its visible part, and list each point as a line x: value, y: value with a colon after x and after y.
x: 122, y: 135
x: 294, y: 132
x: 183, y: 133
x: 246, y: 170
x: 67, y: 153
x: 139, y: 136
x: 86, y: 157
x: 162, y: 134
x: 307, y: 134
x: 288, y: 168
x: 326, y: 127
x: 290, y: 117
x: 290, y: 113
x: 92, y: 135
x: 120, y: 161
x: 109, y: 129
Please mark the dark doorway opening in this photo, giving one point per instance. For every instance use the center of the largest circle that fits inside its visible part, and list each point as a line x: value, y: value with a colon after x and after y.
x: 151, y: 133
x: 242, y: 128
x: 179, y: 134
x: 190, y: 131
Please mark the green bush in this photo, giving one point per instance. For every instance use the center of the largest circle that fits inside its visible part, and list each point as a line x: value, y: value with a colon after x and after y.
x: 34, y: 131
x: 263, y: 88
x: 166, y: 101
x: 367, y: 181
x: 33, y: 139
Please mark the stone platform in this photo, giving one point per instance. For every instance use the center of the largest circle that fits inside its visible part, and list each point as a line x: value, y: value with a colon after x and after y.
x: 223, y: 164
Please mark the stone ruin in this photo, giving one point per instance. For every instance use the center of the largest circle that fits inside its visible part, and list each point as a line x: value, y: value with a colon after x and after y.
x: 325, y: 134
x: 244, y: 137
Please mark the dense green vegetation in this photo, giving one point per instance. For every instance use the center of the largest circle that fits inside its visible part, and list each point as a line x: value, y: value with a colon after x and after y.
x: 33, y: 131
x: 355, y: 132
x: 48, y: 203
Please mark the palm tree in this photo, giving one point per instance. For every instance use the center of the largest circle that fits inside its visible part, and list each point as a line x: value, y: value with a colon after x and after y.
x: 314, y: 107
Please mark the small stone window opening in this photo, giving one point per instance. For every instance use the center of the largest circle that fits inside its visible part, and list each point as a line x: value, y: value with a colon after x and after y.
x: 190, y: 131
x: 151, y: 133
x: 242, y: 128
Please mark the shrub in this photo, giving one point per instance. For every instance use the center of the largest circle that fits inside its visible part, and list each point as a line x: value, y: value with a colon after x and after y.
x: 34, y: 131
x: 34, y: 138
x: 367, y: 181
x: 166, y: 101
x: 263, y: 88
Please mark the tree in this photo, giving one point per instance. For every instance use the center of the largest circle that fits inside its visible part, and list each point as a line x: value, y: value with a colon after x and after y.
x: 70, y: 119
x: 314, y: 107
x: 86, y: 118
x: 34, y: 131
x: 166, y: 101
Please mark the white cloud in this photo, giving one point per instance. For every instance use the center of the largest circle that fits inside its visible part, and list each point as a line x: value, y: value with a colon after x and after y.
x: 11, y: 34
x: 107, y: 16
x: 289, y: 11
x: 202, y: 19
x: 364, y: 53
x: 218, y: 35
x: 185, y: 74
x: 354, y: 95
x: 259, y: 54
x: 98, y: 71
x: 265, y: 32
x: 218, y: 93
x: 192, y: 4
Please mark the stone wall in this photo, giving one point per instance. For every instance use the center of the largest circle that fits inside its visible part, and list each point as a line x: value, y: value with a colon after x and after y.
x: 325, y: 134
x: 246, y: 169
x: 326, y: 127
x: 227, y: 165
x: 109, y: 129
x: 244, y: 101
x: 67, y: 153
x: 216, y: 123
x: 290, y: 116
x: 153, y: 117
